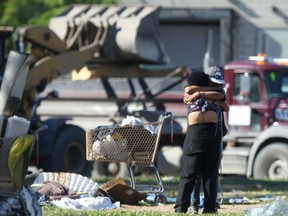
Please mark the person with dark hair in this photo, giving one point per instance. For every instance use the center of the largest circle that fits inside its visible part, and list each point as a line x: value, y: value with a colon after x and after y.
x: 216, y: 79
x: 202, y: 142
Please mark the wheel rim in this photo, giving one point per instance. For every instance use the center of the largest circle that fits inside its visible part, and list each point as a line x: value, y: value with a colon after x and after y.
x: 160, y: 199
x: 101, y: 169
x: 113, y: 168
x: 278, y: 170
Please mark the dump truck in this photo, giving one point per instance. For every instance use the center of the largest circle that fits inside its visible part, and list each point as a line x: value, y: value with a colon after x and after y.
x: 257, y: 142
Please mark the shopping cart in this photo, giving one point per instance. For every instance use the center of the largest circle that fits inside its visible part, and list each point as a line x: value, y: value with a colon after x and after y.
x: 136, y: 145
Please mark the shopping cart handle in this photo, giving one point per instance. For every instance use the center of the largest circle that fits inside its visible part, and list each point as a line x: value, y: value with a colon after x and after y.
x: 168, y: 114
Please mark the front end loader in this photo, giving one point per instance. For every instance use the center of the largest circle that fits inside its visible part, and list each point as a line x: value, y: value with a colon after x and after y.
x: 80, y: 35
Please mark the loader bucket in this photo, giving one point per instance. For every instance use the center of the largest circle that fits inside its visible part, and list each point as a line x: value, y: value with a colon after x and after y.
x: 63, y: 23
x: 126, y: 34
x: 135, y: 37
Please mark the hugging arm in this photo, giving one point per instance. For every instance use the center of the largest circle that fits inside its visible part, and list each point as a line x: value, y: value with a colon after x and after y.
x: 193, y: 88
x: 192, y: 93
x: 224, y: 106
x: 206, y: 94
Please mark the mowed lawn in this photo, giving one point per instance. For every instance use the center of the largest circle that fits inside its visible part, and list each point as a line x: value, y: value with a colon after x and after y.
x: 242, y: 190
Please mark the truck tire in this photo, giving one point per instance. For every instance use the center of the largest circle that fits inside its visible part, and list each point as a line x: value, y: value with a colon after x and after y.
x: 272, y: 162
x: 108, y: 169
x: 69, y: 151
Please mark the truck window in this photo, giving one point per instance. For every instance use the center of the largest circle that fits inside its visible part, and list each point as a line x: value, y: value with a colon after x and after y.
x: 276, y: 83
x: 255, y: 92
x: 284, y: 86
x: 246, y: 87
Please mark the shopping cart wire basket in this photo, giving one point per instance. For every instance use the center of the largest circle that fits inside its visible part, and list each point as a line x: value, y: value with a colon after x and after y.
x: 136, y: 145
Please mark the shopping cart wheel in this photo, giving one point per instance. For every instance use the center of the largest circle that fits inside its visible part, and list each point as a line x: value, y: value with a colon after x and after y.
x: 160, y: 199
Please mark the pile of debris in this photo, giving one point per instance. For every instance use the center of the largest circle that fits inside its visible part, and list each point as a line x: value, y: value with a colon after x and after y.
x: 71, y: 191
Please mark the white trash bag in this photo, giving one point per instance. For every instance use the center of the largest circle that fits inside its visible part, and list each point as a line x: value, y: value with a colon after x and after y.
x: 277, y: 208
x: 131, y: 120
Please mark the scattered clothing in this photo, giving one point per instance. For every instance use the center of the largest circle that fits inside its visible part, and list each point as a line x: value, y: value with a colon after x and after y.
x: 87, y: 203
x: 53, y: 189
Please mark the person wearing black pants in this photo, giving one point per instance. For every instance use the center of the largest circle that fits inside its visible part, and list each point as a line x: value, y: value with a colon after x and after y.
x: 201, y: 159
x: 200, y: 149
x: 216, y: 79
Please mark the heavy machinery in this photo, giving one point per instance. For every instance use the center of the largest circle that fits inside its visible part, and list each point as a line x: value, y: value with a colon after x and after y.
x: 124, y: 70
x: 81, y: 35
x: 5, y: 34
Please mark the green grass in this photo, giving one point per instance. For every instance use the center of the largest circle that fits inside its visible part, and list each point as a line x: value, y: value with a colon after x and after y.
x: 231, y: 186
x: 52, y: 211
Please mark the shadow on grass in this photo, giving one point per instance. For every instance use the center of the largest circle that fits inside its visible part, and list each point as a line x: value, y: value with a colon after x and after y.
x: 229, y: 183
x: 230, y: 186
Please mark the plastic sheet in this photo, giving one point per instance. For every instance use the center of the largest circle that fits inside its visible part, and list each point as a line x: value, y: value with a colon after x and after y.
x: 277, y: 208
x: 16, y: 126
x: 25, y: 203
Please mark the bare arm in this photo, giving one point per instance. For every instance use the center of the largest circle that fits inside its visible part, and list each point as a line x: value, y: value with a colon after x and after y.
x: 192, y: 89
x: 223, y: 105
x: 209, y: 95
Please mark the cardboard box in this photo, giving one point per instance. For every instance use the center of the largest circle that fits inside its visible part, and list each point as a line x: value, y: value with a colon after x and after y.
x: 118, y: 190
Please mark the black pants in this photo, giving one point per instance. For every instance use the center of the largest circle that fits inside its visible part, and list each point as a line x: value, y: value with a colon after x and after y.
x: 204, y: 162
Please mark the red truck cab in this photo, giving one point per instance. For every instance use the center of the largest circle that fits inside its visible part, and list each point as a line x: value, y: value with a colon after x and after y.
x: 257, y: 142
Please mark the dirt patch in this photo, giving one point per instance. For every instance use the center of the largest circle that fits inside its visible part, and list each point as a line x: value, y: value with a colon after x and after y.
x: 231, y: 187
x: 224, y: 208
